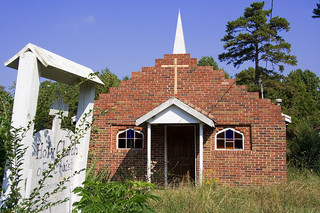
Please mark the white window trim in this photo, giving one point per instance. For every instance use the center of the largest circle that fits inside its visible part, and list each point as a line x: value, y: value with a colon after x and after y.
x: 126, y: 138
x: 224, y: 130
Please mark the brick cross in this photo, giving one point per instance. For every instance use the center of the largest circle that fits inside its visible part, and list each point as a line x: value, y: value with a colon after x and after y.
x: 175, y: 66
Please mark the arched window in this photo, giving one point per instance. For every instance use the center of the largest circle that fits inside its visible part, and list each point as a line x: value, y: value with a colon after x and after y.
x: 130, y: 138
x: 229, y: 139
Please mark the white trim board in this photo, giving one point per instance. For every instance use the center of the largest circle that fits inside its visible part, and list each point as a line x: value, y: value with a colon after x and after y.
x: 287, y: 118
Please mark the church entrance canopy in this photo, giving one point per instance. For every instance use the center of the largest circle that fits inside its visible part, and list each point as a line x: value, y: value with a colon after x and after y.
x: 177, y: 116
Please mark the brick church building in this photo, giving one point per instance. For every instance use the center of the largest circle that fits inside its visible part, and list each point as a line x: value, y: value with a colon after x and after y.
x: 178, y: 121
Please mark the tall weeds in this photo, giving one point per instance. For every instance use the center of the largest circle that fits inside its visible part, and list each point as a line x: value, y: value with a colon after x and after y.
x: 299, y: 194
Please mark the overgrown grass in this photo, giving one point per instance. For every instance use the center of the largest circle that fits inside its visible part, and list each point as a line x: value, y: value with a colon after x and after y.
x: 301, y: 193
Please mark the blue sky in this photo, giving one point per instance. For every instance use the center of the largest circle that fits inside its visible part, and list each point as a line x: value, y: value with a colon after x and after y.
x: 127, y: 35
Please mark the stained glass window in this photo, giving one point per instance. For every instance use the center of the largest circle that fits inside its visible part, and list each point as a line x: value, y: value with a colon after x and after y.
x: 229, y: 139
x: 130, y: 138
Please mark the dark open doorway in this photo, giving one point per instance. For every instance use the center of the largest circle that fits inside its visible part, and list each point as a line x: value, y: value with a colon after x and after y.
x: 181, y: 153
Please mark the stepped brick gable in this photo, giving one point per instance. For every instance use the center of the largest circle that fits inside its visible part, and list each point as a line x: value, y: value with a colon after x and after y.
x: 245, y: 145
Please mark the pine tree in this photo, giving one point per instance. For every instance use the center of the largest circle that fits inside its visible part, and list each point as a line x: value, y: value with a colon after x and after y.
x: 316, y: 12
x: 253, y: 38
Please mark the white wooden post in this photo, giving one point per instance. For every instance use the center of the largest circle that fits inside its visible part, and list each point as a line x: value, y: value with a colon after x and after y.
x: 165, y: 158
x: 195, y: 154
x: 24, y: 109
x: 85, y: 105
x: 149, y: 153
x: 200, y: 152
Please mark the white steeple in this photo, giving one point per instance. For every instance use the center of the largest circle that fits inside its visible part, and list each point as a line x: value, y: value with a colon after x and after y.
x: 179, y: 45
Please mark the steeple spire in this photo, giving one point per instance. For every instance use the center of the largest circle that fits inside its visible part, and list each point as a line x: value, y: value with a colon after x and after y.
x: 179, y: 45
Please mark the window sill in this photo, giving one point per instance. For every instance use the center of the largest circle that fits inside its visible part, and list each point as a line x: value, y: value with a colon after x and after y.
x: 232, y: 152
x: 128, y: 149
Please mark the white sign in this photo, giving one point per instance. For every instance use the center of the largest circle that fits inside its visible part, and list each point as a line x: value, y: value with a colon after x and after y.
x: 47, y: 145
x: 43, y: 148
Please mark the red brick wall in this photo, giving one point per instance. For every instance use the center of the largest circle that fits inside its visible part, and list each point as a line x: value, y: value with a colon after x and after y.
x: 262, y: 161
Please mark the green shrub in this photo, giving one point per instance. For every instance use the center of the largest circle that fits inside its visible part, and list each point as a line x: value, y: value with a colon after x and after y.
x: 101, y: 195
x: 6, y: 101
x: 304, y: 148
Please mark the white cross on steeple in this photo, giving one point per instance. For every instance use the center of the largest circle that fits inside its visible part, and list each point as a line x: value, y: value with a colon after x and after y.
x: 179, y: 45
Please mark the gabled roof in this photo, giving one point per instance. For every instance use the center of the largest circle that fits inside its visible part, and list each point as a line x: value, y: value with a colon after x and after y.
x: 176, y: 104
x: 55, y: 67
